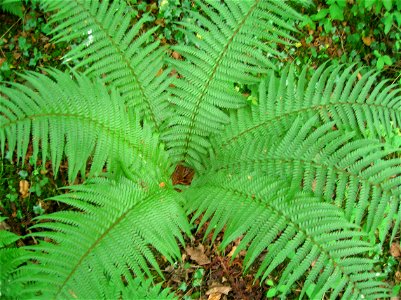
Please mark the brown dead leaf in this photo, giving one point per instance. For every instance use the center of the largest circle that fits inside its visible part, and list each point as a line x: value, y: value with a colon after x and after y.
x: 367, y: 40
x: 359, y: 76
x: 159, y: 72
x: 16, y: 55
x: 4, y: 226
x: 395, y: 250
x: 214, y: 296
x: 198, y: 254
x: 160, y: 22
x: 397, y: 276
x: 219, y: 290
x: 2, y: 60
x: 314, y: 184
x: 176, y: 55
x: 232, y: 251
x: 24, y: 188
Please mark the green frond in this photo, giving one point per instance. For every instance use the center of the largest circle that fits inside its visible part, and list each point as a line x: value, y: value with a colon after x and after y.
x: 289, y: 227
x: 80, y: 119
x: 10, y: 260
x: 353, y: 173
x: 353, y: 101
x: 113, y: 49
x: 12, y: 6
x: 232, y: 45
x: 108, y: 238
x: 137, y: 289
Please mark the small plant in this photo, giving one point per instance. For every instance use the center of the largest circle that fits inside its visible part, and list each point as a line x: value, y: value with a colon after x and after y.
x: 346, y: 32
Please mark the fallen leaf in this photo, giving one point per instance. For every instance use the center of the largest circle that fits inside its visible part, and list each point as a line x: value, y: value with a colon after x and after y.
x: 2, y: 60
x: 232, y: 251
x: 24, y: 188
x: 397, y: 276
x: 219, y: 290
x: 160, y: 22
x: 214, y: 296
x: 198, y: 254
x: 176, y: 55
x: 159, y: 72
x: 4, y: 226
x: 367, y: 40
x: 314, y: 184
x: 395, y: 250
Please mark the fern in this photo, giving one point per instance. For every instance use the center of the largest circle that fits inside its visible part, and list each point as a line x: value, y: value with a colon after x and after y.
x: 230, y: 48
x: 12, y: 6
x: 10, y: 259
x: 80, y: 119
x: 104, y: 240
x: 334, y: 161
x: 290, y: 225
x: 304, y: 178
x: 115, y: 51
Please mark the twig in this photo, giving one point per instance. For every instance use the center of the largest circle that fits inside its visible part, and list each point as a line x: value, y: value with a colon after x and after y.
x: 10, y: 28
x: 4, y: 55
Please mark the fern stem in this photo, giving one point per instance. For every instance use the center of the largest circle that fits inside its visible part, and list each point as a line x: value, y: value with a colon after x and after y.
x: 210, y: 79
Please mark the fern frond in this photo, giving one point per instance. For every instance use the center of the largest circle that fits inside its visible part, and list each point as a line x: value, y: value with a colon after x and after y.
x: 138, y: 289
x: 116, y: 51
x: 355, y: 174
x: 80, y: 119
x: 10, y: 260
x: 107, y: 239
x: 291, y: 228
x: 353, y: 101
x: 12, y: 6
x: 231, y: 46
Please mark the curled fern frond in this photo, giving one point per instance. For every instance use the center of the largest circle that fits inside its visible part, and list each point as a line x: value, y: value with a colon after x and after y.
x: 109, y: 238
x: 116, y: 51
x: 81, y: 119
x: 290, y: 227
x: 231, y: 47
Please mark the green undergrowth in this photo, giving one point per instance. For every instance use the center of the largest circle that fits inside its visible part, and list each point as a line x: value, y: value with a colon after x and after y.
x: 365, y: 32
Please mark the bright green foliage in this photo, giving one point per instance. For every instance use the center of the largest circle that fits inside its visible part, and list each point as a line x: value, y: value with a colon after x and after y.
x: 293, y: 226
x: 64, y: 113
x: 98, y: 238
x: 304, y: 176
x: 12, y: 6
x: 335, y: 161
x: 232, y: 37
x: 115, y: 52
x: 9, y: 260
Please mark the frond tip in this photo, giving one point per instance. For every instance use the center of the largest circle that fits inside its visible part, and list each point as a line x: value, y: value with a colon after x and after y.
x: 231, y: 46
x: 106, y: 241
x: 291, y: 228
x: 79, y: 118
x: 114, y: 51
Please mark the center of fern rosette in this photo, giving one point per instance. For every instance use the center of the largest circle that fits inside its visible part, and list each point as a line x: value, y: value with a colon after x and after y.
x: 182, y: 175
